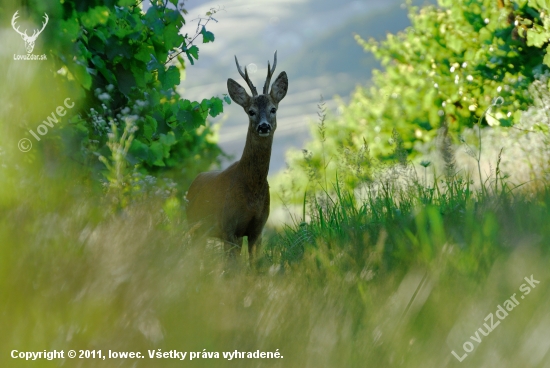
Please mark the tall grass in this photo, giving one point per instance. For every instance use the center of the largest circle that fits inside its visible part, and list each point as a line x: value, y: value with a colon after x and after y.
x: 390, y: 282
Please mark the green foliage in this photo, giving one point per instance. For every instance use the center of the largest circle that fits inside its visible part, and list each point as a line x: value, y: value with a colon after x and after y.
x: 447, y: 67
x: 445, y: 70
x: 118, y: 59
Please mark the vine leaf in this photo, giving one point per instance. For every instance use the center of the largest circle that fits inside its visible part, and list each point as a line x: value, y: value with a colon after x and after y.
x: 216, y: 106
x: 207, y: 36
x: 170, y: 77
x: 192, y: 52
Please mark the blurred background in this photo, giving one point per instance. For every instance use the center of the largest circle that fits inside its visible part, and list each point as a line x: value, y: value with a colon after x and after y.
x: 315, y: 47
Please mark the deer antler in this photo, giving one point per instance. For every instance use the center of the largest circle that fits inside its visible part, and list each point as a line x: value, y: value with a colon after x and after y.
x: 34, y: 35
x: 246, y: 78
x: 24, y: 34
x: 15, y: 16
x: 269, y: 74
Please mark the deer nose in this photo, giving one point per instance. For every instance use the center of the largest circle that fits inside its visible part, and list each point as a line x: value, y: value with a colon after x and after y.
x: 264, y: 129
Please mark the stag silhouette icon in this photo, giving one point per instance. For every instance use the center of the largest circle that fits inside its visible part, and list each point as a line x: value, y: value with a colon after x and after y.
x: 29, y: 40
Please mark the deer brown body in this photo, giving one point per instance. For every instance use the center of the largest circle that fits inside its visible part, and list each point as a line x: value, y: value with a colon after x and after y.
x: 234, y: 203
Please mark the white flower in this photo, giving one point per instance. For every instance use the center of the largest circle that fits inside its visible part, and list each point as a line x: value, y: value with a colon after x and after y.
x: 104, y: 96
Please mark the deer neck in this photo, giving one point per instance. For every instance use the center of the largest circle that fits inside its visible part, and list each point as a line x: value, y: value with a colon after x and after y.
x: 254, y: 163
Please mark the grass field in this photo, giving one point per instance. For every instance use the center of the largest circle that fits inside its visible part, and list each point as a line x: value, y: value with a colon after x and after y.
x: 403, y: 278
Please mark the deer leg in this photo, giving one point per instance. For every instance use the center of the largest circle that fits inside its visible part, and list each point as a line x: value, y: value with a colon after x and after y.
x: 255, y: 232
x: 252, y: 241
x: 233, y: 246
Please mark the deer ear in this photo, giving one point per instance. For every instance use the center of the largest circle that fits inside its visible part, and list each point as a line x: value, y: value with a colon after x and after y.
x: 238, y: 93
x: 279, y: 87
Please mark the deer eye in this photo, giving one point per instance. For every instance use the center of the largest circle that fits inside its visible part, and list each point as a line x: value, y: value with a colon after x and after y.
x: 251, y: 113
x: 273, y: 111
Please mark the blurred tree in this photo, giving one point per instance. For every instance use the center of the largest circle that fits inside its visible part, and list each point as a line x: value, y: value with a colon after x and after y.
x: 448, y: 67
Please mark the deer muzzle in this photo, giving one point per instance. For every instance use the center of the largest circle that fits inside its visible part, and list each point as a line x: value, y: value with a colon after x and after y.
x: 264, y: 129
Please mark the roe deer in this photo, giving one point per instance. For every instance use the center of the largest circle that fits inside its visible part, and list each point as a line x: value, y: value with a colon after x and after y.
x: 234, y: 203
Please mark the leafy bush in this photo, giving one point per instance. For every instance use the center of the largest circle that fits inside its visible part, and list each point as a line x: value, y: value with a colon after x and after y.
x: 116, y: 56
x: 446, y: 69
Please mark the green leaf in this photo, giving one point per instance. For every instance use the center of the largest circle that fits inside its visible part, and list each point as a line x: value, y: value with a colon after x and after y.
x: 149, y: 127
x: 154, y: 64
x: 183, y: 114
x: 140, y: 77
x: 537, y: 36
x: 194, y: 52
x: 184, y: 105
x: 82, y: 76
x: 195, y: 114
x: 185, y: 118
x: 227, y: 99
x: 70, y: 28
x: 103, y: 69
x: 216, y: 106
x: 205, y: 105
x: 173, y: 18
x: 139, y: 150
x: 174, y: 2
x: 206, y: 35
x: 172, y: 38
x: 198, y: 118
x: 153, y: 18
x: 167, y: 140
x: 126, y: 79
x: 159, y: 150
x: 170, y: 77
x: 156, y: 154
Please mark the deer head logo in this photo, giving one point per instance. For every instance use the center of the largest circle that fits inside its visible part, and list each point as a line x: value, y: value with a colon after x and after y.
x: 29, y: 40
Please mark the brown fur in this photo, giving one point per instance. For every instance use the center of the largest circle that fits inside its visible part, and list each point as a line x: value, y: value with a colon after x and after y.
x: 234, y: 203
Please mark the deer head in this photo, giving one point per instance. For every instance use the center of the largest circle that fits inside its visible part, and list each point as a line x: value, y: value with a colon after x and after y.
x: 29, y: 40
x: 261, y: 109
